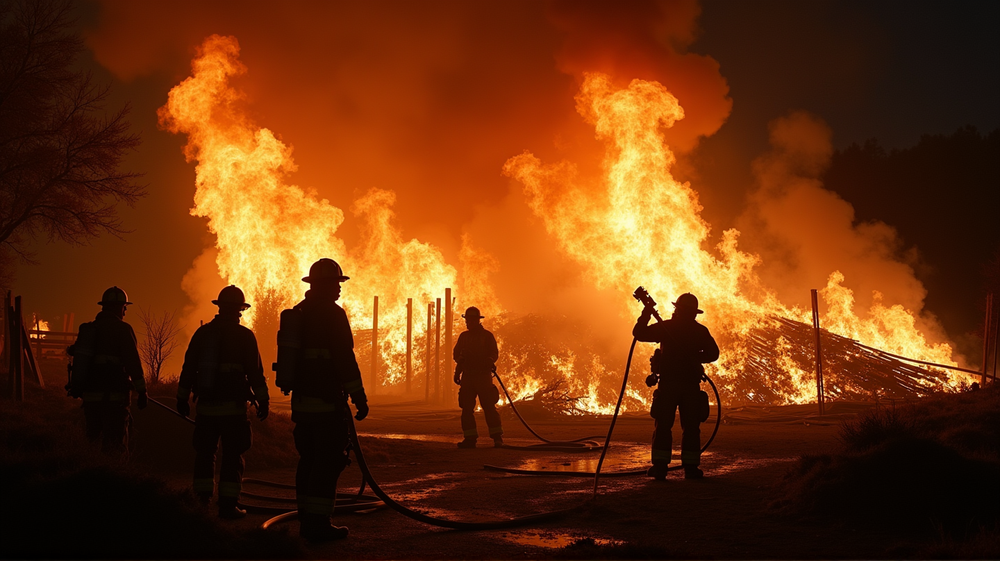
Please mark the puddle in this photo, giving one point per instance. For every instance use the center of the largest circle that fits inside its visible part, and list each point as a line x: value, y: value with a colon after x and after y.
x: 426, y: 486
x: 419, y: 437
x: 742, y: 464
x: 554, y: 540
x: 621, y: 457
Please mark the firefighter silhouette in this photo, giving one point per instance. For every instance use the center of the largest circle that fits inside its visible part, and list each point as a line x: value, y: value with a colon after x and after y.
x: 222, y: 367
x: 106, y: 368
x: 316, y: 363
x: 685, y: 345
x: 475, y: 355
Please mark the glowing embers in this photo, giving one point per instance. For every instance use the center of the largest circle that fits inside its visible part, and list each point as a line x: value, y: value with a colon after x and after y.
x: 551, y: 539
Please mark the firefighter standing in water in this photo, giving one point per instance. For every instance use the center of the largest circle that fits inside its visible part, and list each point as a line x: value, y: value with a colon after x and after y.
x: 316, y: 363
x: 685, y: 345
x: 475, y: 355
x: 222, y: 368
x: 106, y: 368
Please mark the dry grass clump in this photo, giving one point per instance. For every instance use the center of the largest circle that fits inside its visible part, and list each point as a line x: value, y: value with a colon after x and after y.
x: 927, y: 466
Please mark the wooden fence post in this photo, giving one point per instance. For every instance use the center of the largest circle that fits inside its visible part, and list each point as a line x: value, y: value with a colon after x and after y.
x: 427, y: 356
x: 409, y: 343
x: 448, y: 320
x: 986, y: 336
x: 438, y: 389
x: 819, y: 352
x: 17, y: 352
x: 375, y: 353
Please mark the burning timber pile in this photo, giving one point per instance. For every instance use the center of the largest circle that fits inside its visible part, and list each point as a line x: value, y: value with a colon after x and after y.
x: 560, y: 367
x: 850, y: 370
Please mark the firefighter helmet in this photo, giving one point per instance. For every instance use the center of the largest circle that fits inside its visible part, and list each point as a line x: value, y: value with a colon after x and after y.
x: 325, y: 269
x: 687, y: 301
x: 473, y: 313
x: 113, y: 296
x: 232, y: 295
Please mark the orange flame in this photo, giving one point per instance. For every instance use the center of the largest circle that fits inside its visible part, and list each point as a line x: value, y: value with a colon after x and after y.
x: 640, y: 226
x: 269, y: 232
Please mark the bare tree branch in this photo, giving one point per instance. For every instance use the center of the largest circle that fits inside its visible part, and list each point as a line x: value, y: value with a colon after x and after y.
x: 159, y: 341
x: 60, y: 151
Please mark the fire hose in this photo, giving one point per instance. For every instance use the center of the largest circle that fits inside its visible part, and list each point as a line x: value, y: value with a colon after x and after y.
x: 359, y: 501
x: 344, y: 502
x: 367, y: 477
x: 584, y: 444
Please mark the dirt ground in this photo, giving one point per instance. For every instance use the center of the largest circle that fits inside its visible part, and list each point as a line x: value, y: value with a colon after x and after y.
x: 411, y: 451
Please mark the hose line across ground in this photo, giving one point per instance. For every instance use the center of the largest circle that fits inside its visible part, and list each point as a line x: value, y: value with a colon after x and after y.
x: 566, y: 473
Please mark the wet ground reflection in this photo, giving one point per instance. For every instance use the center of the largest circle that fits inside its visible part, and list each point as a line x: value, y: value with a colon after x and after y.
x: 554, y: 540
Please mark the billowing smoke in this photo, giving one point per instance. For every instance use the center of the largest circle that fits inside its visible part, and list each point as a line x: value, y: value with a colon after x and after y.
x: 803, y: 232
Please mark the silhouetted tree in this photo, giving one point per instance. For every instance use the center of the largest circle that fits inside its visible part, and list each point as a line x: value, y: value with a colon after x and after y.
x: 60, y: 152
x: 158, y: 343
x: 942, y: 196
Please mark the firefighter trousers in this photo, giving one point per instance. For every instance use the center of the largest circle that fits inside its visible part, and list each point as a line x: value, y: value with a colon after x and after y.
x: 234, y: 433
x: 107, y: 423
x: 481, y: 387
x: 666, y: 402
x: 322, y: 441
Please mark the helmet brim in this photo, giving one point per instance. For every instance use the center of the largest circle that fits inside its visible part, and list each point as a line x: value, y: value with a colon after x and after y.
x: 338, y: 279
x: 244, y: 305
x: 103, y: 303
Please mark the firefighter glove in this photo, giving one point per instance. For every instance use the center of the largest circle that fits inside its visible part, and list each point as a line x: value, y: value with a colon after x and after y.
x: 143, y: 400
x: 362, y: 408
x: 183, y: 407
x: 262, y: 409
x: 651, y: 380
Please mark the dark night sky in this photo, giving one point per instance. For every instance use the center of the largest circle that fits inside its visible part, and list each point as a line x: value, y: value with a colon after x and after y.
x: 885, y: 70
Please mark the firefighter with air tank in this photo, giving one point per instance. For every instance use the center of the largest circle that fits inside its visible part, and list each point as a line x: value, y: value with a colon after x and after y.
x: 106, y: 369
x: 222, y: 368
x: 475, y: 355
x: 316, y: 363
x: 685, y: 345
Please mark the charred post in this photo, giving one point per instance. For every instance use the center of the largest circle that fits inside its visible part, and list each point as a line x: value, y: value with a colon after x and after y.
x: 438, y: 389
x: 427, y: 356
x: 819, y: 352
x: 374, y: 365
x: 996, y: 341
x: 409, y: 344
x: 16, y: 352
x: 448, y: 321
x: 986, y: 336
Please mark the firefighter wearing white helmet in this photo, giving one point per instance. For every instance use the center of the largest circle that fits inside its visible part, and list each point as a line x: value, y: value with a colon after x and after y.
x: 475, y: 355
x: 222, y: 367
x: 316, y: 363
x: 106, y: 369
x: 685, y: 345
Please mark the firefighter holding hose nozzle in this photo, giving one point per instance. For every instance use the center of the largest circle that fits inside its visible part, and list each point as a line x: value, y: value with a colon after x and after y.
x: 222, y: 367
x: 685, y: 345
x: 316, y: 363
x: 475, y: 355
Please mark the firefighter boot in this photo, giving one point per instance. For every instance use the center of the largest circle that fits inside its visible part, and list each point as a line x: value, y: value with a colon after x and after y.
x: 316, y: 528
x: 467, y: 443
x: 498, y: 441
x: 658, y: 472
x: 228, y: 509
x: 693, y: 472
